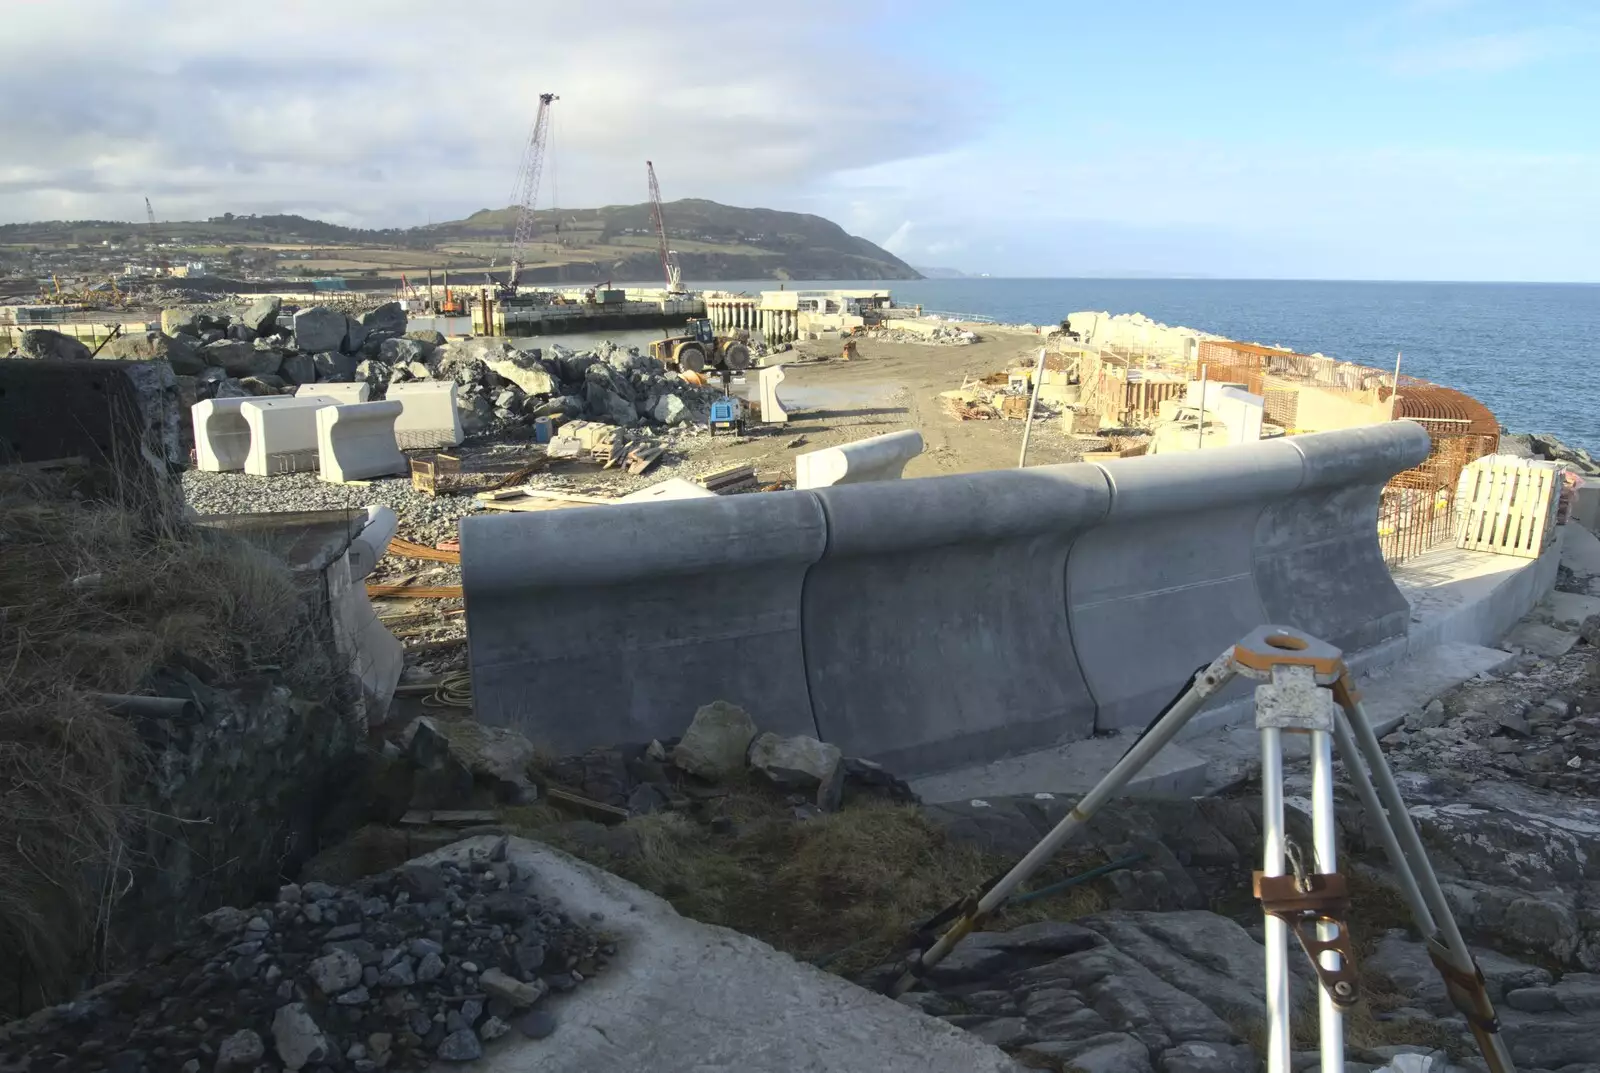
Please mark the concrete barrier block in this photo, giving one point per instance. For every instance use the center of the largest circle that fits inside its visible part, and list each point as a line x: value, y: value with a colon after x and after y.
x: 372, y: 543
x: 935, y: 624
x: 596, y: 625
x: 879, y: 458
x: 428, y: 416
x: 221, y: 436
x: 356, y: 442
x: 343, y: 394
x: 773, y: 412
x: 283, y: 434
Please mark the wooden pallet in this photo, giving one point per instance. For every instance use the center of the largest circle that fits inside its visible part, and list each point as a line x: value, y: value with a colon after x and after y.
x: 1508, y: 505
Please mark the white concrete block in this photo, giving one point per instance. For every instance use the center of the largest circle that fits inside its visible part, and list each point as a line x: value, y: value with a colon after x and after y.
x: 1239, y: 411
x: 428, y: 415
x: 283, y: 434
x: 675, y: 488
x: 357, y: 441
x: 773, y: 411
x: 221, y: 437
x: 880, y: 458
x: 342, y: 394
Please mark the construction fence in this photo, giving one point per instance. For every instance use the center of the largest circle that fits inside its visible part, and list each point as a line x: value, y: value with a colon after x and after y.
x: 1310, y: 393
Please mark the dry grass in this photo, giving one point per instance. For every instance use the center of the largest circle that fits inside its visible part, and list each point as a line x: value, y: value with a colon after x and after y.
x: 844, y: 888
x: 93, y: 598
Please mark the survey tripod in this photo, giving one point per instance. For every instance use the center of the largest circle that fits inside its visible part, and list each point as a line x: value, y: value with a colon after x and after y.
x: 1304, y: 688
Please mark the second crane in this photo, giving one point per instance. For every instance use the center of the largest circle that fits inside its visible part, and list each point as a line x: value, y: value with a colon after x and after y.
x: 527, y: 187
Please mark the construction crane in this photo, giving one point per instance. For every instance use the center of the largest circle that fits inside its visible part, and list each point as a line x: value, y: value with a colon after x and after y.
x: 669, y: 267
x: 527, y: 188
x: 162, y: 266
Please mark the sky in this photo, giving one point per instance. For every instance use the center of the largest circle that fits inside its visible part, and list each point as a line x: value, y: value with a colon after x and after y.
x: 1369, y: 139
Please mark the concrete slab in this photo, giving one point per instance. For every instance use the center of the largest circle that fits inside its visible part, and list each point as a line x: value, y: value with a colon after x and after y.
x: 1580, y: 553
x: 682, y: 996
x: 1541, y: 640
x: 1071, y: 769
x: 1569, y: 608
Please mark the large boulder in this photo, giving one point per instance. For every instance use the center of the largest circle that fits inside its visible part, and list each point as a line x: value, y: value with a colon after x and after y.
x: 477, y: 412
x: 671, y: 410
x: 388, y: 318
x: 334, y: 366
x: 242, y: 359
x: 427, y: 337
x: 318, y: 329
x: 262, y: 316
x: 402, y: 351
x: 355, y: 335
x: 46, y: 343
x: 497, y: 758
x: 299, y: 368
x: 797, y: 763
x: 177, y: 351
x: 525, y: 372
x: 716, y: 742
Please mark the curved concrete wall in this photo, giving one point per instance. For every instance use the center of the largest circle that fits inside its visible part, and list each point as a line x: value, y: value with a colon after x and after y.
x: 877, y: 458
x: 283, y: 434
x: 935, y: 622
x: 428, y: 415
x: 355, y: 442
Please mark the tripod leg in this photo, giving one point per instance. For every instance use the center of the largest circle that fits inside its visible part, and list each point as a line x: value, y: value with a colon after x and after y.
x: 1325, y: 837
x: 1448, y: 950
x: 1279, y: 1041
x: 1220, y: 672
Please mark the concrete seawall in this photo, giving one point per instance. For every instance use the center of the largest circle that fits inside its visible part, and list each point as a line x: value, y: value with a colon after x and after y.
x: 934, y: 622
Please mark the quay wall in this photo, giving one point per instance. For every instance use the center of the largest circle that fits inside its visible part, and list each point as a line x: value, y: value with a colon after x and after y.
x: 936, y: 622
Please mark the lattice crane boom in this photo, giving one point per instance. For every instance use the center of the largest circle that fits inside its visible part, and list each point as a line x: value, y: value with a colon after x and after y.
x: 668, y: 268
x: 526, y: 191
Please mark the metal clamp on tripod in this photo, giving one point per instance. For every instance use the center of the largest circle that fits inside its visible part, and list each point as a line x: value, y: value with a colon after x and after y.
x: 1304, y: 689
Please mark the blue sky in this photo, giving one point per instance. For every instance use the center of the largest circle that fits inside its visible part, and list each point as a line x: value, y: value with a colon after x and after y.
x: 1408, y: 139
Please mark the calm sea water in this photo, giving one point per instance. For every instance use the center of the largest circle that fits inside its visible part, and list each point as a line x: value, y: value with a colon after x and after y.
x: 1530, y: 352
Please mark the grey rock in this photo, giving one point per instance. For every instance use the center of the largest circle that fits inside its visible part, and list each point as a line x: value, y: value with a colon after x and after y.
x: 356, y: 996
x: 373, y: 372
x: 1533, y: 999
x: 1404, y: 965
x: 1198, y: 1057
x: 263, y: 385
x: 355, y: 335
x: 289, y: 892
x: 429, y: 968
x: 492, y: 1029
x: 298, y: 368
x: 242, y: 359
x: 242, y: 1050
x: 795, y: 763
x: 184, y: 322
x: 334, y: 367
x: 51, y: 345
x: 497, y: 984
x: 296, y: 1037
x: 507, y: 399
x: 671, y: 410
x: 400, y: 974
x: 319, y: 329
x: 418, y: 369
x: 461, y: 1045
x: 525, y: 372
x: 535, y: 1024
x: 213, y: 335
x: 262, y: 316
x: 606, y: 405
x: 716, y: 742
x: 647, y: 798
x: 1107, y: 1053
x: 388, y: 317
x: 1005, y: 1032
x: 428, y: 337
x: 229, y: 388
x: 1578, y: 992
x: 402, y: 351
x: 477, y: 414
x: 1432, y: 715
x: 181, y: 353
x: 241, y: 333
x: 336, y: 972
x: 225, y: 921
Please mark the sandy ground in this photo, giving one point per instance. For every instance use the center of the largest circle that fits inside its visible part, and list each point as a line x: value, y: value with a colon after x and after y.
x: 887, y: 387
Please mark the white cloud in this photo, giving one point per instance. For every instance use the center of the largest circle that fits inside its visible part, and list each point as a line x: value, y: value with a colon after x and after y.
x: 391, y: 112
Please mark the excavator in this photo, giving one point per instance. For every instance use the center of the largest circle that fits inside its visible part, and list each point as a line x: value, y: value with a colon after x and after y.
x: 700, y: 348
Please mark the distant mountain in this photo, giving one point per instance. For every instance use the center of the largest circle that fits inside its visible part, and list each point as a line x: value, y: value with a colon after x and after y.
x: 943, y: 273
x: 711, y: 241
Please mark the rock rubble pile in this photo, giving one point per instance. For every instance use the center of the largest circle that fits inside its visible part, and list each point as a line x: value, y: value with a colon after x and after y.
x: 421, y: 964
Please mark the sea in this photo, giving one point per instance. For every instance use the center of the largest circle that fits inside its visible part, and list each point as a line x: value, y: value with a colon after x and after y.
x: 1528, y: 351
